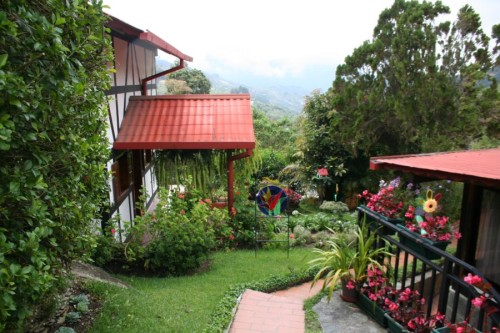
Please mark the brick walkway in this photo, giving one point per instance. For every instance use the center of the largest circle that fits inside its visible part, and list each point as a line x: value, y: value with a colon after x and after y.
x: 281, y: 312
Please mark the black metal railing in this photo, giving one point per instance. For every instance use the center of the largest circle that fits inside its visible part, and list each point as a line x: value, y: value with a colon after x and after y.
x: 439, y: 280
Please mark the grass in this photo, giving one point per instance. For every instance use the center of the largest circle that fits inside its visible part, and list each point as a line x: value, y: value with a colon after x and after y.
x: 184, y: 304
x: 312, y: 319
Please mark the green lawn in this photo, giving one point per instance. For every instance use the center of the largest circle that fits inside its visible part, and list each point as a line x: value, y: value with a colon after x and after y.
x: 184, y: 304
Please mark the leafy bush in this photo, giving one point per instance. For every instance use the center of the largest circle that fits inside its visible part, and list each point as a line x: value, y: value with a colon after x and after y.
x: 65, y: 330
x: 334, y: 207
x: 176, y: 238
x: 72, y: 317
x: 244, y: 224
x: 108, y: 251
x: 302, y: 236
x: 53, y: 73
x: 279, y: 240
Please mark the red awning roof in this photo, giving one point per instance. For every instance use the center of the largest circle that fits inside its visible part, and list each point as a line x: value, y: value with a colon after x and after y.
x: 480, y: 167
x: 119, y: 26
x: 187, y: 122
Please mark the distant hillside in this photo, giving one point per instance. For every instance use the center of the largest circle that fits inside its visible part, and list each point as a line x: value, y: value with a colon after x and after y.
x: 276, y: 102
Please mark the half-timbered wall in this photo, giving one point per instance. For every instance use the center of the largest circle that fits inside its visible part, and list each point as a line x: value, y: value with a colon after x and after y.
x: 133, y: 62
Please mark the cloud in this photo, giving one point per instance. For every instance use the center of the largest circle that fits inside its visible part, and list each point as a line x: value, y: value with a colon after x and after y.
x: 272, y: 39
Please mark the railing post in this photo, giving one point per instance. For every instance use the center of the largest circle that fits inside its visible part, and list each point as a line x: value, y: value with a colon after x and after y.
x: 445, y: 286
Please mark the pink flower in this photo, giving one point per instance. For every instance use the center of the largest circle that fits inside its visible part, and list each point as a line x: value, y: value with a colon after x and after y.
x: 478, y: 301
x: 473, y: 279
x: 458, y: 235
x: 293, y: 236
x: 393, y: 306
x: 113, y: 231
x: 440, y: 316
x: 349, y: 285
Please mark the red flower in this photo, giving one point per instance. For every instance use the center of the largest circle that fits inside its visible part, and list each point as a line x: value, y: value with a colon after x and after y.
x: 113, y: 231
x: 350, y: 285
x: 478, y: 301
x: 473, y: 279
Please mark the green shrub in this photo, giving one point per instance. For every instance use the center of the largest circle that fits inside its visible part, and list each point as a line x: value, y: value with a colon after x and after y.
x: 334, y: 207
x: 65, y: 330
x: 302, y: 236
x: 279, y: 240
x: 53, y: 74
x: 72, y: 317
x: 176, y: 238
x: 107, y: 251
x: 322, y: 221
x: 244, y: 223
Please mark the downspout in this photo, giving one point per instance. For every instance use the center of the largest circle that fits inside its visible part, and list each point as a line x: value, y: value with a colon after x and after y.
x: 144, y: 82
x: 230, y: 176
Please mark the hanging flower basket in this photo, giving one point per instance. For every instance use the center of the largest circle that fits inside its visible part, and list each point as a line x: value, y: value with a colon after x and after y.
x: 416, y: 247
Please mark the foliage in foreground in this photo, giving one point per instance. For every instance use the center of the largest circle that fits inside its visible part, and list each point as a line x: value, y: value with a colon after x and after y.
x: 53, y: 60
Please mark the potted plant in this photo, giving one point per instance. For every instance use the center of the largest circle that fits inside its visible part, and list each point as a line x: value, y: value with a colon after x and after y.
x: 425, y: 221
x: 480, y: 302
x: 405, y: 314
x: 373, y: 294
x: 388, y: 203
x: 347, y: 263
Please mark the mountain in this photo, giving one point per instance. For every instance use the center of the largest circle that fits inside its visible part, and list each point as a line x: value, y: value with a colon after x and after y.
x: 275, y: 101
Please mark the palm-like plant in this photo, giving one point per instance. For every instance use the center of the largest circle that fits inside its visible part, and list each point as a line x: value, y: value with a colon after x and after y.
x: 348, y: 261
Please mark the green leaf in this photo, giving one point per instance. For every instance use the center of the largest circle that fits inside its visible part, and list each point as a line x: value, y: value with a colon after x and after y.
x: 60, y: 20
x: 14, y: 188
x: 3, y: 59
x: 28, y: 164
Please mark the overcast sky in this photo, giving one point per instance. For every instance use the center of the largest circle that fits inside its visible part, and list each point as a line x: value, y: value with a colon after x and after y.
x: 268, y: 42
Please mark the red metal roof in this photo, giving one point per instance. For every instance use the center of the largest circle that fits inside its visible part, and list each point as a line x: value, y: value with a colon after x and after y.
x: 187, y: 122
x: 119, y: 26
x: 473, y: 166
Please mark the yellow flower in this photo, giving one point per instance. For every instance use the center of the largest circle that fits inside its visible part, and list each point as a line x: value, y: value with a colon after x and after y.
x: 430, y: 205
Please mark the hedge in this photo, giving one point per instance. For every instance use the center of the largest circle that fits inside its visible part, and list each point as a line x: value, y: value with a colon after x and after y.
x: 53, y: 73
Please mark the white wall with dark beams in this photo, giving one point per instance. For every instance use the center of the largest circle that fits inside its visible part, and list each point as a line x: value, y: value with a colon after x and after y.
x: 133, y: 62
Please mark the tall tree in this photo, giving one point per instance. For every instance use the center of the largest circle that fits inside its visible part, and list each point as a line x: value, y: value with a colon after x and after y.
x: 413, y: 87
x: 194, y: 78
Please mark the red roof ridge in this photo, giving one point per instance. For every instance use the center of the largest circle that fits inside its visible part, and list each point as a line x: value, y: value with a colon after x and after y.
x: 190, y: 96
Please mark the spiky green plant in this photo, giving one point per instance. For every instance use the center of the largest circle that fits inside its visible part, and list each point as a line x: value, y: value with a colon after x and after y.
x: 346, y: 261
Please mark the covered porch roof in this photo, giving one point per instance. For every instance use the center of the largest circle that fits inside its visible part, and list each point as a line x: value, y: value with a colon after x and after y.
x: 187, y: 122
x: 479, y: 167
